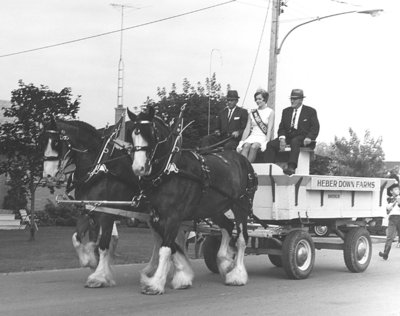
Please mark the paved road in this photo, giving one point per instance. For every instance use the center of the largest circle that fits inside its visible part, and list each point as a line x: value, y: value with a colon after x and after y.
x: 330, y: 290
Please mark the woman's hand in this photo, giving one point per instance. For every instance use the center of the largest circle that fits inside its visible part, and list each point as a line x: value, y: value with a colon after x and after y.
x: 240, y: 146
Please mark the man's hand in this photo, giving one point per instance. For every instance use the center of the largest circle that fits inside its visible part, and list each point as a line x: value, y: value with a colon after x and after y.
x: 217, y: 132
x: 235, y: 134
x: 282, y: 144
x: 307, y: 141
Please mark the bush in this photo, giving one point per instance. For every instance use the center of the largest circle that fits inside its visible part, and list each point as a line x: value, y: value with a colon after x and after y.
x: 61, y: 215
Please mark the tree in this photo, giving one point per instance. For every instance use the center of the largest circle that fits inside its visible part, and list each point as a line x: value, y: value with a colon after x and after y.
x: 360, y: 159
x: 351, y: 157
x: 321, y: 164
x: 31, y: 108
x: 197, y: 99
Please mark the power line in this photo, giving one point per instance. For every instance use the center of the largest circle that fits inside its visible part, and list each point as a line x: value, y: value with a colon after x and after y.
x: 346, y: 3
x: 117, y: 31
x: 258, y: 51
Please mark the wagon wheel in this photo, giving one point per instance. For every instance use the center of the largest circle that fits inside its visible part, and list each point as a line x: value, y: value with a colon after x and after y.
x: 357, y: 250
x: 210, y: 249
x: 298, y: 254
x: 321, y: 231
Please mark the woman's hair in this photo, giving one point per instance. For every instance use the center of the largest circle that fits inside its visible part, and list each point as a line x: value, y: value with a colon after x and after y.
x: 263, y: 93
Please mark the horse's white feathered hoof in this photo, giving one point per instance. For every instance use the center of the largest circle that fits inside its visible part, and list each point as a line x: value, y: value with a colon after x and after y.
x: 236, y: 277
x: 152, y: 290
x: 86, y: 253
x: 151, y: 286
x: 182, y: 280
x: 98, y: 282
x: 225, y: 265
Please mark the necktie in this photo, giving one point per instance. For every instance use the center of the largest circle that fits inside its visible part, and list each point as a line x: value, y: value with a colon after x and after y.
x: 230, y: 114
x: 293, y: 119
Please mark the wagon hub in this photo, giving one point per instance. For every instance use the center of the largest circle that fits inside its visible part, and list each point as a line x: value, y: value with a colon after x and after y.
x: 362, y: 249
x: 303, y: 255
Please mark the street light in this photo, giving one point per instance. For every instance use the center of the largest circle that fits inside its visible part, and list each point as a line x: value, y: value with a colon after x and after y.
x: 209, y: 92
x: 275, y: 49
x: 370, y: 12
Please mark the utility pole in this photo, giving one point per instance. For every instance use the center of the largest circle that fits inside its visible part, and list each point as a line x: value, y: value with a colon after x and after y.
x: 120, y: 109
x: 273, y: 57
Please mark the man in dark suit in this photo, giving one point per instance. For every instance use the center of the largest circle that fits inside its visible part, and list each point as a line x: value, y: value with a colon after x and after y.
x: 231, y: 121
x: 299, y: 126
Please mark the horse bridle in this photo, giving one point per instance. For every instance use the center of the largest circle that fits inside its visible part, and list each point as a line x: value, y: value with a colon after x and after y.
x: 65, y: 160
x: 147, y: 148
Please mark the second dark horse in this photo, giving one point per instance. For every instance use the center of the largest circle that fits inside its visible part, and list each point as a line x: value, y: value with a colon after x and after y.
x: 184, y: 185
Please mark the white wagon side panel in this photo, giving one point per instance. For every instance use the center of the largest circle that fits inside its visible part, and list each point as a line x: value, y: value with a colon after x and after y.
x: 280, y: 197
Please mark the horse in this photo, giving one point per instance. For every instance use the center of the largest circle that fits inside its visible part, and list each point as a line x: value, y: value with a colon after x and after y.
x: 78, y: 143
x: 184, y: 185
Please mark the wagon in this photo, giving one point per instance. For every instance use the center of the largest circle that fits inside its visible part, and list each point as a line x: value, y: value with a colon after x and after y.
x: 288, y: 206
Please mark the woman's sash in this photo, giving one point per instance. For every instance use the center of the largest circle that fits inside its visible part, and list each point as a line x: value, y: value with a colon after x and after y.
x: 259, y: 121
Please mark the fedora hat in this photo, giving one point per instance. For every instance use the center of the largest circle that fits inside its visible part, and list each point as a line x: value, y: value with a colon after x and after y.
x: 232, y: 95
x: 297, y: 94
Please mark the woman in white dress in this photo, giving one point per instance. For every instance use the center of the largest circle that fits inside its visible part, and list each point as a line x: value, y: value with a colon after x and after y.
x: 258, y: 131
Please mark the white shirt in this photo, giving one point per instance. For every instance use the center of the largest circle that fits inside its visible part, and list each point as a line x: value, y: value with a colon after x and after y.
x: 296, y: 122
x: 395, y: 210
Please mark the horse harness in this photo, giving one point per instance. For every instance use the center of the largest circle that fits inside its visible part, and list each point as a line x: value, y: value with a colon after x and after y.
x: 149, y: 183
x: 97, y: 168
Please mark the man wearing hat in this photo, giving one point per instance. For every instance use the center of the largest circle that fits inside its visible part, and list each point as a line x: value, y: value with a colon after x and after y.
x: 299, y: 126
x: 393, y: 210
x: 231, y: 122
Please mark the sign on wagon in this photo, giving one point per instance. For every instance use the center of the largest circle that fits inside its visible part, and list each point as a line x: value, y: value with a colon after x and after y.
x: 344, y: 184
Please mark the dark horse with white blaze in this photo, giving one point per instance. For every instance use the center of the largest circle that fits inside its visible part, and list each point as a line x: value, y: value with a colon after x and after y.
x: 184, y: 185
x: 78, y: 143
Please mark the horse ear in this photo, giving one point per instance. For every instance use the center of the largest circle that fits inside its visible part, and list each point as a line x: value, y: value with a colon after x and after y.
x: 132, y: 116
x: 151, y: 112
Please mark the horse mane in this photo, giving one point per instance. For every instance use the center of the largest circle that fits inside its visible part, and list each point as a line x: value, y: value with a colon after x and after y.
x: 83, y: 125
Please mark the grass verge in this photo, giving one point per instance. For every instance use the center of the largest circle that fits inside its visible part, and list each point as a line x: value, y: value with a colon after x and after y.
x: 53, y: 248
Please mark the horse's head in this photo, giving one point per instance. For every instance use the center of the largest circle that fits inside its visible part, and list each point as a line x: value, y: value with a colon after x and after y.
x: 62, y: 140
x: 55, y: 151
x: 143, y: 136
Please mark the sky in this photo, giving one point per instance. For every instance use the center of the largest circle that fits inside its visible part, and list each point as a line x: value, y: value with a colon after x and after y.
x: 346, y: 65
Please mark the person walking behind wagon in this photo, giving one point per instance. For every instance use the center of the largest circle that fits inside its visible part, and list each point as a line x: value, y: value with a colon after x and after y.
x: 299, y: 126
x: 231, y: 122
x: 259, y: 127
x: 393, y: 210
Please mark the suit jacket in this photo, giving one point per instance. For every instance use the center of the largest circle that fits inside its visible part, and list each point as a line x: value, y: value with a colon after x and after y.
x: 237, y: 122
x: 308, y: 125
